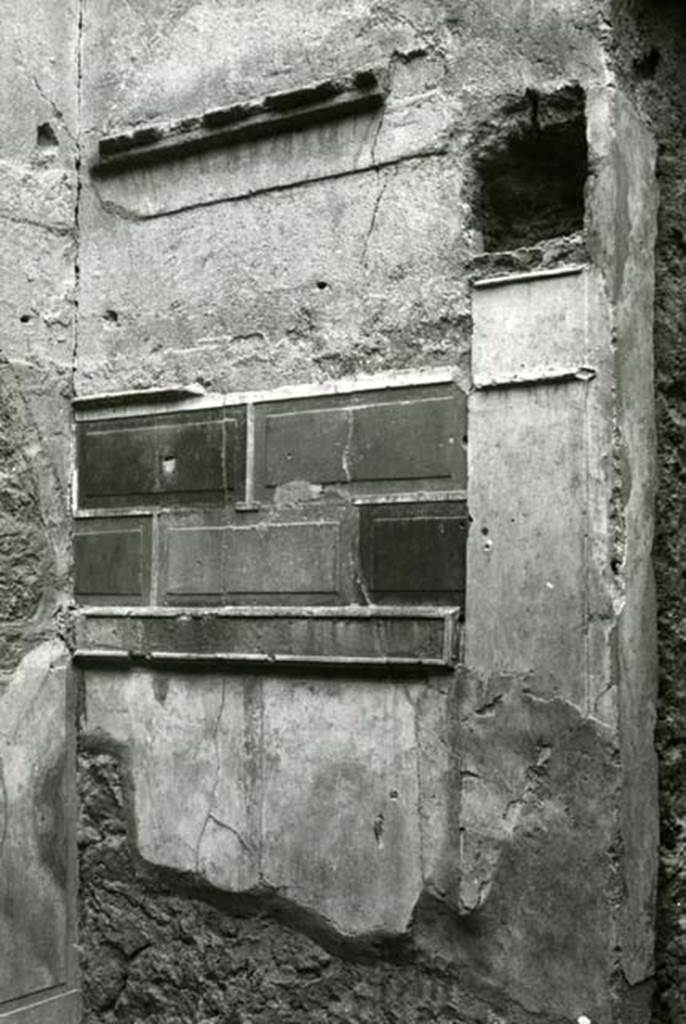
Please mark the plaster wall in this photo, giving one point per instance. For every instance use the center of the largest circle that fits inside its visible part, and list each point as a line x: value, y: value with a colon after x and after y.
x: 467, y: 846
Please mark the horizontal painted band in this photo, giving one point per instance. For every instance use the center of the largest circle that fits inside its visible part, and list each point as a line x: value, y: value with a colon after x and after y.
x: 279, y: 636
x: 117, y: 404
x: 338, y: 612
x: 98, y: 656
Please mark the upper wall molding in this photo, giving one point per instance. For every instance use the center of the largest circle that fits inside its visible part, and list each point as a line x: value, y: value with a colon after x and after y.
x: 274, y: 114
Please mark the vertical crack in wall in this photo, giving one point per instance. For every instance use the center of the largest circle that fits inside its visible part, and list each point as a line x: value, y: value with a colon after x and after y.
x: 383, y: 185
x: 78, y: 168
x: 217, y: 776
x: 4, y: 808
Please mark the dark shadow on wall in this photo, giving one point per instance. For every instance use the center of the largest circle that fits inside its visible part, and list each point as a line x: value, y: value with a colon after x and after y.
x: 531, y: 166
x: 652, y: 61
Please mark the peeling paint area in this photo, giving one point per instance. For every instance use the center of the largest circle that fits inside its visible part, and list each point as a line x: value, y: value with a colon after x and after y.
x: 289, y: 793
x: 159, y: 946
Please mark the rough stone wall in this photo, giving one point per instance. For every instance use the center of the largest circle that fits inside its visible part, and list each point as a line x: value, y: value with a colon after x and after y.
x: 38, y: 313
x: 156, y: 949
x: 38, y: 194
x: 651, y: 58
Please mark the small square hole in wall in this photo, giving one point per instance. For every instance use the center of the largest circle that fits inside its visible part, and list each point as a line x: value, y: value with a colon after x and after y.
x: 531, y: 163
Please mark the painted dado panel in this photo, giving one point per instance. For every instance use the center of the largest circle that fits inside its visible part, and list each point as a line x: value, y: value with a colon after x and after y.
x: 350, y: 498
x: 340, y: 551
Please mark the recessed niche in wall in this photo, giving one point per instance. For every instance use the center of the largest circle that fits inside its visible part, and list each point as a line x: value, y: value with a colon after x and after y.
x: 531, y: 162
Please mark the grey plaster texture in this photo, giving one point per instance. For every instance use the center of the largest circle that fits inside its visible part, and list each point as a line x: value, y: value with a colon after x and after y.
x: 236, y: 283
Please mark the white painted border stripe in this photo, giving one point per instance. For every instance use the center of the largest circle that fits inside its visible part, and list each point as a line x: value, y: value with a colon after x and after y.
x: 330, y: 611
x: 390, y: 380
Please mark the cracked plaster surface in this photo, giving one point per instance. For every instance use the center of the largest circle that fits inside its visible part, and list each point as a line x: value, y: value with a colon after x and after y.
x: 274, y: 772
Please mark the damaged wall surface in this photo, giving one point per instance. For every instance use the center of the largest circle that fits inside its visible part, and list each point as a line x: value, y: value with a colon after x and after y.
x: 652, y: 45
x: 332, y: 331
x: 38, y: 200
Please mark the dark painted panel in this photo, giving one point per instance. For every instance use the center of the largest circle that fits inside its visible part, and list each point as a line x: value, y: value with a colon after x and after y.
x: 112, y: 560
x: 160, y: 460
x: 306, y: 446
x: 335, y: 638
x: 417, y: 440
x: 394, y: 441
x: 195, y: 562
x: 283, y: 558
x: 414, y: 552
x: 269, y: 561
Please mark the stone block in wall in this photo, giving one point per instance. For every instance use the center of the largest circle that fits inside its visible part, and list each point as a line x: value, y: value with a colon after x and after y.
x: 306, y: 446
x: 194, y: 564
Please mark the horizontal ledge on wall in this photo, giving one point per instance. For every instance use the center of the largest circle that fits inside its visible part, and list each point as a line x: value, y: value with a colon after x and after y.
x: 270, y: 115
x: 147, y: 396
x: 533, y: 275
x: 560, y: 376
x: 176, y: 659
x: 350, y: 611
x: 409, y: 498
x: 116, y: 404
x: 376, y: 637
x: 401, y: 498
